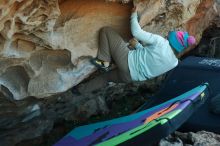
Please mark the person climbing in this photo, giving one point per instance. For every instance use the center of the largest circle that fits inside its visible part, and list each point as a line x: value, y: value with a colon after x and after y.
x: 152, y: 55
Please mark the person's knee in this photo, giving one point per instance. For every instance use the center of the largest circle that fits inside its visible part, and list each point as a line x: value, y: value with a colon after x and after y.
x: 106, y: 29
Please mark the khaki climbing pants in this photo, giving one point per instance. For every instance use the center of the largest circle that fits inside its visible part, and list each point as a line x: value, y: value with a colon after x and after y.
x: 111, y: 48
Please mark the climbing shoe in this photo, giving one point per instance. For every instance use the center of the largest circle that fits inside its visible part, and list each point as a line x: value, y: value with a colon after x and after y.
x: 100, y: 64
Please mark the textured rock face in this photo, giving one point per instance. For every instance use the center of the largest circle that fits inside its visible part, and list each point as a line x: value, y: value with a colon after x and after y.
x: 49, y: 58
x: 20, y: 19
x: 45, y: 47
x: 162, y: 16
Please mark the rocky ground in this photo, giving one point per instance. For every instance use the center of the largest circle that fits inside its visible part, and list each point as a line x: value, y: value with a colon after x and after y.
x: 120, y: 104
x: 121, y: 99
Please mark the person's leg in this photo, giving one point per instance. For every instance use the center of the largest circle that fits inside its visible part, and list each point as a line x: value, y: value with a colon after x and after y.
x: 109, y: 39
x: 111, y: 45
x: 120, y: 57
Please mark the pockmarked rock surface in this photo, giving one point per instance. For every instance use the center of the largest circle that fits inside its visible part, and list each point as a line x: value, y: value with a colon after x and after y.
x: 46, y: 45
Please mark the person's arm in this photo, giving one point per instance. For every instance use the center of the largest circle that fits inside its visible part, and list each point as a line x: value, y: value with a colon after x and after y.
x: 138, y: 46
x: 140, y: 34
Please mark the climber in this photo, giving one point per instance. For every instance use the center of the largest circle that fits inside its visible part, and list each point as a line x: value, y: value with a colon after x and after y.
x: 152, y: 55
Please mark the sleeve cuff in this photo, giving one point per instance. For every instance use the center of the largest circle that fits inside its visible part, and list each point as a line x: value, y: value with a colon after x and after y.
x: 134, y: 15
x: 138, y: 46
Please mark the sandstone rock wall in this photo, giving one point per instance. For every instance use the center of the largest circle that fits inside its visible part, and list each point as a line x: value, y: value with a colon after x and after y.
x: 162, y: 16
x: 47, y: 45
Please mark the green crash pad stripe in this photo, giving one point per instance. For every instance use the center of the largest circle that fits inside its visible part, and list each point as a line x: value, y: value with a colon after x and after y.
x: 139, y: 130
